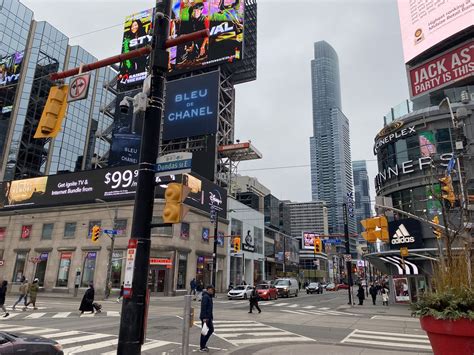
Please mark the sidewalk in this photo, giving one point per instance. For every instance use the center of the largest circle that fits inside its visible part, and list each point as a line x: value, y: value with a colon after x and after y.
x: 402, y: 310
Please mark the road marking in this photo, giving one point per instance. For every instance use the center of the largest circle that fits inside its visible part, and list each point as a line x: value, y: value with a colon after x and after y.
x: 89, y: 347
x: 394, y: 338
x: 35, y: 315
x: 294, y: 312
x: 41, y: 331
x: 324, y: 308
x: 293, y: 306
x: 386, y: 339
x: 62, y: 315
x: 309, y: 307
x: 9, y: 317
x: 396, y: 334
x: 113, y: 314
x: 232, y: 335
x: 280, y: 304
x: 249, y: 324
x: 17, y: 328
x: 271, y: 340
x: 63, y: 334
x: 155, y: 344
x: 83, y: 338
x: 402, y: 319
x: 231, y: 321
x: 87, y: 315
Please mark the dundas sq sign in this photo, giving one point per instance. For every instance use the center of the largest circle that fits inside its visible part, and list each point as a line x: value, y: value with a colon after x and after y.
x: 110, y: 184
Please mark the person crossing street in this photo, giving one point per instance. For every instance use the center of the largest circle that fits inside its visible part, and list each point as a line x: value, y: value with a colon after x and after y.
x: 33, y: 291
x: 23, y: 294
x: 206, y: 317
x: 3, y: 292
x: 254, y: 300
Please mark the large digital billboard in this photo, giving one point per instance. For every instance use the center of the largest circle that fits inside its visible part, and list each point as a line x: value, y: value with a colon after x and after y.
x: 137, y: 34
x: 191, y: 106
x: 308, y: 240
x: 225, y: 21
x: 428, y: 22
x: 10, y: 67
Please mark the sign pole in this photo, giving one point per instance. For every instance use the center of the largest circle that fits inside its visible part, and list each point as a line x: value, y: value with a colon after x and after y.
x: 214, y: 252
x: 134, y: 309
x: 348, y: 251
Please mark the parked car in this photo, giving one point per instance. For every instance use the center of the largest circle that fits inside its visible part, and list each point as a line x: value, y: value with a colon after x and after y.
x: 331, y: 287
x: 314, y: 287
x: 287, y: 287
x: 22, y: 344
x: 241, y: 291
x: 267, y: 292
x: 342, y: 287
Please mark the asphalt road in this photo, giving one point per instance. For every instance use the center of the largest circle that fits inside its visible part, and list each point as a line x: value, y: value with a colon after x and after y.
x: 301, y: 322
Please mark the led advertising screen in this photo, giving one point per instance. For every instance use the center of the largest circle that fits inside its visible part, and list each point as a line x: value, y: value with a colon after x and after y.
x: 225, y: 21
x: 10, y: 67
x: 428, y: 22
x: 443, y: 70
x: 137, y: 34
x: 308, y: 240
x: 191, y: 106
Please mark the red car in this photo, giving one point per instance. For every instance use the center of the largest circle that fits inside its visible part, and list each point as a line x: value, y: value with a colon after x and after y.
x: 342, y: 287
x: 267, y: 292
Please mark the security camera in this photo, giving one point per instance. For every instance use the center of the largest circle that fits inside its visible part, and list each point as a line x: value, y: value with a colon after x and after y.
x: 124, y: 105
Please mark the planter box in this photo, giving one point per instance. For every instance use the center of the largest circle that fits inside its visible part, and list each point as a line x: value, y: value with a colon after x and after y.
x: 449, y: 337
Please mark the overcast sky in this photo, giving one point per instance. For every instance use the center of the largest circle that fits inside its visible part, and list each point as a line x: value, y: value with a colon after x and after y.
x: 274, y: 111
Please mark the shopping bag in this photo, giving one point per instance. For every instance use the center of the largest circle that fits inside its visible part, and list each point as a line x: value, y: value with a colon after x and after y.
x: 205, y: 329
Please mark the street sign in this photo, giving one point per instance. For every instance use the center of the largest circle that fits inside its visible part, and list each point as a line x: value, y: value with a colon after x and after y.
x: 78, y: 87
x: 404, y: 251
x: 178, y: 163
x: 110, y: 231
x: 347, y: 257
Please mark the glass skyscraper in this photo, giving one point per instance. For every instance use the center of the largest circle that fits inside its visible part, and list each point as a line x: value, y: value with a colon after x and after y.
x: 331, y: 169
x: 362, y: 193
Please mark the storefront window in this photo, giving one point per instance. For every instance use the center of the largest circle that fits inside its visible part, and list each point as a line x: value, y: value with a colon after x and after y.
x: 182, y: 265
x: 63, y: 273
x: 20, y: 263
x: 120, y: 225
x: 443, y: 141
x: 184, y: 230
x: 161, y: 231
x: 236, y: 227
x: 69, y: 230
x: 41, y: 268
x: 258, y: 240
x: 117, y: 262
x: 88, y: 269
x: 236, y: 270
x: 47, y: 233
x: 258, y: 271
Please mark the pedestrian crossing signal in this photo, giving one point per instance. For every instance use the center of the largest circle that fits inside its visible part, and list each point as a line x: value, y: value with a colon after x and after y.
x: 318, y: 246
x: 96, y: 233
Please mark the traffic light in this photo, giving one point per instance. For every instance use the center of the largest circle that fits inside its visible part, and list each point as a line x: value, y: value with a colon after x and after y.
x: 96, y: 233
x: 236, y: 241
x: 53, y: 113
x: 438, y: 232
x: 375, y: 228
x: 318, y: 245
x: 447, y: 190
x: 174, y: 210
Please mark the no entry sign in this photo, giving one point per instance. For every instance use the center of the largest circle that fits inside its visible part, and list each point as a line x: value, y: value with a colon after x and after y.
x: 78, y: 87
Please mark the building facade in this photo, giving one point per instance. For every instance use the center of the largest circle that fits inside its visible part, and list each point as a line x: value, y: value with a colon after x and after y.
x: 362, y: 204
x: 307, y: 216
x: 331, y: 171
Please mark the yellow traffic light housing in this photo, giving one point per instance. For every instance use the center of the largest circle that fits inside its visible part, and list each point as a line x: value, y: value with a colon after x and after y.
x: 318, y: 245
x: 174, y: 210
x: 447, y: 190
x: 53, y: 113
x: 236, y: 244
x: 438, y: 232
x: 96, y: 233
x: 375, y: 228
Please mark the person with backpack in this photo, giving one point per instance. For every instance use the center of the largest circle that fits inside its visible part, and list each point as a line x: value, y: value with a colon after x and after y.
x: 23, y: 293
x: 3, y: 293
x: 33, y: 291
x: 254, y: 300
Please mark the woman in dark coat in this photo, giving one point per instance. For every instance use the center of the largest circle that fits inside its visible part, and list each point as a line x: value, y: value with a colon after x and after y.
x: 88, y: 300
x: 3, y: 292
x: 361, y: 295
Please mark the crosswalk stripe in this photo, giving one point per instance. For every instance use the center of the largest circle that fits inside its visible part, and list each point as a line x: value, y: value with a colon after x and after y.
x: 19, y: 329
x: 232, y: 335
x: 87, y: 315
x: 309, y: 307
x: 240, y: 325
x: 231, y: 321
x: 89, y: 347
x: 113, y: 314
x: 324, y: 308
x: 397, y: 344
x: 244, y: 329
x: 394, y: 338
x: 35, y: 315
x: 62, y: 314
x: 294, y: 312
x: 154, y: 344
x: 62, y: 335
x: 401, y: 335
x: 40, y: 331
x: 9, y: 317
x: 271, y: 340
x: 280, y: 304
x: 402, y: 319
x: 317, y: 313
x: 82, y: 338
x: 293, y: 306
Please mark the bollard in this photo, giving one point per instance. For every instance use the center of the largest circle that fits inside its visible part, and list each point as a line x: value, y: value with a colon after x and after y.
x: 186, y: 324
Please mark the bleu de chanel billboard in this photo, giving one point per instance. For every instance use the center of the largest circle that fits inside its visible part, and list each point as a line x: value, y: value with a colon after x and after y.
x: 191, y: 106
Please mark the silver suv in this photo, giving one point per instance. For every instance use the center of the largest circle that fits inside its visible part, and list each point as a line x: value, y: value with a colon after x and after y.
x: 287, y: 287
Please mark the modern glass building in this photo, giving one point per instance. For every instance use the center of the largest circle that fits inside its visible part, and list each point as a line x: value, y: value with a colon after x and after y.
x: 331, y: 170
x: 362, y: 194
x: 29, y: 52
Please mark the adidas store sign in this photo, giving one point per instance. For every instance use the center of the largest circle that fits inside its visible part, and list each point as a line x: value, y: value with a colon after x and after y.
x: 405, y: 233
x: 402, y: 236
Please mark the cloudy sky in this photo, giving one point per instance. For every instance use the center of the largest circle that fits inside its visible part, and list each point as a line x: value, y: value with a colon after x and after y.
x: 274, y: 112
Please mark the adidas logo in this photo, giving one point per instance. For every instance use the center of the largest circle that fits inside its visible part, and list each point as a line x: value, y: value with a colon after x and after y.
x: 402, y: 236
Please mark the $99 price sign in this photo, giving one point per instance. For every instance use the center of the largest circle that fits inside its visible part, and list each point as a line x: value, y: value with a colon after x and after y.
x: 121, y: 179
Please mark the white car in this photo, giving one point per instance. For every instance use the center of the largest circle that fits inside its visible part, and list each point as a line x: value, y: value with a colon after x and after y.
x: 241, y: 291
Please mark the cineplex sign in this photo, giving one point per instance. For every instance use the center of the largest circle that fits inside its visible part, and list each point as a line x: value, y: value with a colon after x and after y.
x: 408, y: 167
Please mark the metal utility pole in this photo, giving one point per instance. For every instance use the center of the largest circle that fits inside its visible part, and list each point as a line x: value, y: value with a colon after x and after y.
x: 214, y: 252
x: 348, y: 251
x: 112, y: 249
x: 134, y: 307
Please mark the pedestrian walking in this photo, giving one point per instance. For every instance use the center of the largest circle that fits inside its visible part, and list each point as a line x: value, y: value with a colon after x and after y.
x: 33, y: 292
x: 373, y: 293
x: 253, y: 300
x: 193, y: 288
x: 120, y: 294
x: 199, y: 291
x: 88, y: 300
x: 385, y: 296
x: 23, y: 294
x: 3, y: 292
x: 206, y: 317
x: 361, y: 295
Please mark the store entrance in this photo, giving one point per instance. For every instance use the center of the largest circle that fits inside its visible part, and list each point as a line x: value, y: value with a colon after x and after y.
x: 156, y: 281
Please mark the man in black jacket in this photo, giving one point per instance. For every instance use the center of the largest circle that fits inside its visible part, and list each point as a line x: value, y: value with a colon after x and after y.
x: 254, y: 300
x: 206, y: 316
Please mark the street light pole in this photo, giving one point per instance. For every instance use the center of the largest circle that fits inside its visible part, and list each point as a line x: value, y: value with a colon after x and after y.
x: 348, y: 251
x: 214, y: 252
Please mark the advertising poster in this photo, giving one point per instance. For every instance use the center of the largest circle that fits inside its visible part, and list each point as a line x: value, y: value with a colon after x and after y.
x: 205, y: 235
x: 426, y: 23
x: 248, y: 242
x: 427, y: 143
x: 26, y: 231
x: 10, y: 67
x: 443, y: 70
x: 225, y: 21
x: 3, y: 232
x: 308, y: 240
x: 125, y: 149
x: 401, y: 290
x: 405, y: 233
x: 23, y: 192
x: 220, y: 239
x: 184, y: 230
x: 137, y: 34
x: 191, y: 106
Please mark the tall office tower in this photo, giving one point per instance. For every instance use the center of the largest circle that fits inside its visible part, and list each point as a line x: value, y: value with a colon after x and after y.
x: 331, y: 169
x: 362, y: 195
x: 29, y: 52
